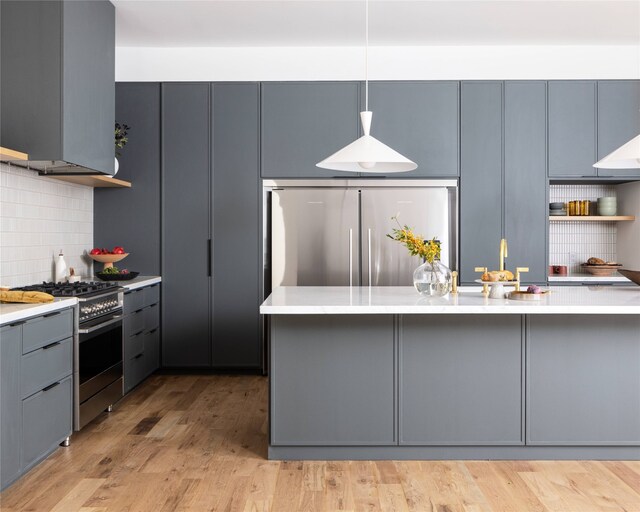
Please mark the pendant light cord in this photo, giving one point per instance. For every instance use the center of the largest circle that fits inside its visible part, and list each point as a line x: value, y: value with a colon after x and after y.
x: 366, y: 55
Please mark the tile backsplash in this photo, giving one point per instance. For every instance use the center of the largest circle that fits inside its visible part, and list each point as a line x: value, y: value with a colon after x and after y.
x: 38, y: 217
x: 573, y: 243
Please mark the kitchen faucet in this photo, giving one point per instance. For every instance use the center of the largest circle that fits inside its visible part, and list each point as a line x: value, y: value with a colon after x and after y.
x: 504, y: 252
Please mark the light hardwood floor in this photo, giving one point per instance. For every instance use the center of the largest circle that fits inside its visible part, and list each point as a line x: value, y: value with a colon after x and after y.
x: 198, y: 443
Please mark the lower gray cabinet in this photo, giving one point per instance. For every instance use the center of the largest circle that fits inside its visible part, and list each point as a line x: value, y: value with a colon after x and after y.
x: 36, y: 390
x: 332, y: 381
x: 583, y: 386
x: 141, y: 334
x: 461, y: 380
x: 10, y: 404
x: 46, y: 421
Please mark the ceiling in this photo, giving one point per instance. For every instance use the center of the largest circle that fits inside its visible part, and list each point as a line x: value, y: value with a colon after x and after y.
x: 250, y: 23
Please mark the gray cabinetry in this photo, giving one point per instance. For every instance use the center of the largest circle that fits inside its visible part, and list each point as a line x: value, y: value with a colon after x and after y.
x: 186, y: 185
x: 481, y: 189
x: 525, y: 178
x: 130, y: 217
x: 572, y: 128
x: 503, y: 182
x: 36, y: 391
x: 461, y: 380
x: 10, y: 404
x: 58, y: 82
x: 583, y: 385
x: 236, y: 226
x: 303, y: 123
x: 141, y: 334
x: 420, y: 120
x: 332, y: 382
x: 618, y: 119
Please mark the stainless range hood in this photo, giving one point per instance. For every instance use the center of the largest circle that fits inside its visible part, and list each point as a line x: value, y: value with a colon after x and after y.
x: 58, y: 84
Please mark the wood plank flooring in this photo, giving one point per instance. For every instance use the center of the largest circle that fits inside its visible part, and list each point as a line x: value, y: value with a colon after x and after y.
x: 198, y: 443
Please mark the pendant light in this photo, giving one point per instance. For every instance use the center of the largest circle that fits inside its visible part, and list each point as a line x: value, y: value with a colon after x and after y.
x: 367, y: 154
x: 626, y: 156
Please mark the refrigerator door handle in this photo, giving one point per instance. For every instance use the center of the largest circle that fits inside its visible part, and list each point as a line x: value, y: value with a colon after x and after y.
x: 369, y: 253
x: 351, y: 257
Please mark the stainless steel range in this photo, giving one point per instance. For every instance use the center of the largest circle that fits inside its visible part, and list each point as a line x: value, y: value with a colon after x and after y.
x: 97, y: 369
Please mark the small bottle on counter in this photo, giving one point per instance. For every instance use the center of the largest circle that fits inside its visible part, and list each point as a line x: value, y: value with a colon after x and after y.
x: 61, y: 268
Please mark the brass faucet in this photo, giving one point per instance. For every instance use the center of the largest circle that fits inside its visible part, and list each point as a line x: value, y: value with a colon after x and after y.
x: 504, y: 252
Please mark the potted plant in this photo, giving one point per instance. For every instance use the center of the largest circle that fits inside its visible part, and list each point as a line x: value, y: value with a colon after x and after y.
x: 121, y: 140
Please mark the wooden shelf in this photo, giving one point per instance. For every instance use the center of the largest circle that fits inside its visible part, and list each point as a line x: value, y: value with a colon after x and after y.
x: 7, y: 155
x: 597, y: 218
x: 94, y: 181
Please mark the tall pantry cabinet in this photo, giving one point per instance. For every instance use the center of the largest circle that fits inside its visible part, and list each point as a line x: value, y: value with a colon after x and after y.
x: 193, y: 159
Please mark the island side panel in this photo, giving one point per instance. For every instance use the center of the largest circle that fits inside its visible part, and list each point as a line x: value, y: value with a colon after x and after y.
x: 461, y: 380
x: 583, y: 380
x: 332, y: 380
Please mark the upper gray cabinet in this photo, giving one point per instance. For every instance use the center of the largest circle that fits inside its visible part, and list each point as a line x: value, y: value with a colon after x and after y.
x: 58, y: 80
x: 503, y: 183
x: 420, y: 120
x: 618, y: 119
x: 302, y: 123
x: 572, y: 128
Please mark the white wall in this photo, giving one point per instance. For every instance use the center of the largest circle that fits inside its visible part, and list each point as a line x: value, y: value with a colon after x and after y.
x: 38, y: 217
x: 629, y: 232
x: 385, y: 63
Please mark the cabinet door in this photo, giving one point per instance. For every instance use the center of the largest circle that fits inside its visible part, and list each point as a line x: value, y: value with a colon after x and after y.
x: 461, y: 380
x: 583, y: 386
x: 572, y: 128
x: 304, y: 123
x: 419, y: 120
x: 525, y: 177
x: 480, y: 177
x: 236, y: 226
x: 353, y: 403
x: 10, y: 404
x: 618, y: 119
x: 186, y: 189
x: 131, y: 216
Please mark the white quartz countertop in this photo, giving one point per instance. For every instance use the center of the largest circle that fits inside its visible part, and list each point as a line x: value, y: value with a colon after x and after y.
x: 291, y: 300
x: 139, y: 282
x: 10, y: 313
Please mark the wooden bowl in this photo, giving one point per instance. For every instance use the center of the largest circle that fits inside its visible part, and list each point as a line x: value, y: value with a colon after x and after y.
x: 600, y: 270
x: 633, y: 275
x: 108, y: 259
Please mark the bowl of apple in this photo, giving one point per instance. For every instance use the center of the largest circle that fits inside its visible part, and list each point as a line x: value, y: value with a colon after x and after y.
x: 108, y: 257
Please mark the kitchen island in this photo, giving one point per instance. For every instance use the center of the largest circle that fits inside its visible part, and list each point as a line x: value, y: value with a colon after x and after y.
x: 383, y: 373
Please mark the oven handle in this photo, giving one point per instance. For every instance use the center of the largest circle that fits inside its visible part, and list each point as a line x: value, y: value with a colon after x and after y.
x: 113, y: 320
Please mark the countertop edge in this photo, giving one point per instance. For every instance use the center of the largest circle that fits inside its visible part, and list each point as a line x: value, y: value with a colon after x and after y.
x: 533, y: 309
x: 10, y: 313
x: 139, y: 282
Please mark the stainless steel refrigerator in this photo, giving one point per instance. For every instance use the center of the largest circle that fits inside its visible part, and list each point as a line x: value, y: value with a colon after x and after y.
x: 333, y: 232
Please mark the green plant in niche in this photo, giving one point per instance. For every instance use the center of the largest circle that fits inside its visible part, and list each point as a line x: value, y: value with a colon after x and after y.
x: 121, y: 136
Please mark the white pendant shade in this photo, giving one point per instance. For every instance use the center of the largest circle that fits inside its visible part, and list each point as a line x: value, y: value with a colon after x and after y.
x: 367, y: 154
x: 626, y: 156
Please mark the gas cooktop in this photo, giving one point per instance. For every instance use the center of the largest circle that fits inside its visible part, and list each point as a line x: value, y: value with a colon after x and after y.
x: 81, y: 289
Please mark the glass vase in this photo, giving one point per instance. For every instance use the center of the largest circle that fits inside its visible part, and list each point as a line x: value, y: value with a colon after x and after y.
x: 432, y: 279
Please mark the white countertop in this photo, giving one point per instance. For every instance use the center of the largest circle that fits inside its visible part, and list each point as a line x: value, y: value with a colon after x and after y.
x: 139, y: 282
x: 588, y: 278
x: 309, y: 300
x: 10, y: 313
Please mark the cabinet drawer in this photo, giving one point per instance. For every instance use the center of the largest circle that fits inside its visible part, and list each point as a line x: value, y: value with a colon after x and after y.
x: 45, y: 366
x: 152, y: 317
x: 134, y: 345
x: 151, y: 294
x: 134, y: 371
x: 152, y: 351
x: 41, y: 331
x: 46, y: 421
x: 133, y: 301
x: 134, y: 323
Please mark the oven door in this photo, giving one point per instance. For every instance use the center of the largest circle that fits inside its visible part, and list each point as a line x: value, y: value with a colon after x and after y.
x: 99, y: 354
